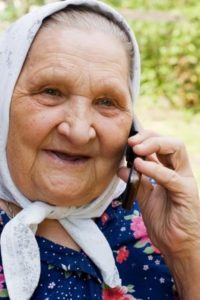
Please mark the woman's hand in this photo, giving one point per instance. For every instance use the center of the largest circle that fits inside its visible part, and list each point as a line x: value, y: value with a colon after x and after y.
x: 171, y: 207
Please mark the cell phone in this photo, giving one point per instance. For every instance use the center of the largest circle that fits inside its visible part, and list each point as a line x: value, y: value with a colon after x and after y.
x: 134, y: 178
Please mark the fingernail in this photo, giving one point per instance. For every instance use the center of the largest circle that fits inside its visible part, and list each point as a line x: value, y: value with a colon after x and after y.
x: 136, y: 135
x: 140, y: 146
x: 134, y: 138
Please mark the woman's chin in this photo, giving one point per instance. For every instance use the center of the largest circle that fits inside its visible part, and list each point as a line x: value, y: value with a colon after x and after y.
x: 67, y: 201
x: 74, y: 195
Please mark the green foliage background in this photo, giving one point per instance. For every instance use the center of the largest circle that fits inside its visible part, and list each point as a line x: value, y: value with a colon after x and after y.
x: 170, y: 49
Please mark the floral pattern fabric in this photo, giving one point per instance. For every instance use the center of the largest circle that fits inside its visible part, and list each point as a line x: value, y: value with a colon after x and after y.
x: 71, y: 275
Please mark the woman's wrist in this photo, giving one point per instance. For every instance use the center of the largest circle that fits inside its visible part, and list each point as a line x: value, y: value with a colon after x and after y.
x: 185, y: 270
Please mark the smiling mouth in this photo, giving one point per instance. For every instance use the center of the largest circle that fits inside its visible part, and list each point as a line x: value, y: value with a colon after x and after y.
x: 68, y: 157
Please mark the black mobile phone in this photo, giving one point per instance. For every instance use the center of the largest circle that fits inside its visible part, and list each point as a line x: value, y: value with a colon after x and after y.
x: 134, y: 178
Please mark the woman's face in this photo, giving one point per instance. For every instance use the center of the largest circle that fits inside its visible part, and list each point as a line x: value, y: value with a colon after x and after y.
x: 70, y: 116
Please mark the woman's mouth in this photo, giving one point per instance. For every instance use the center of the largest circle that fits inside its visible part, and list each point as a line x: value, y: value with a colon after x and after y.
x: 68, y: 157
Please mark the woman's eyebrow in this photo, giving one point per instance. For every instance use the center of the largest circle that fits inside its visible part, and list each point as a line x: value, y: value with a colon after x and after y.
x: 114, y: 87
x: 118, y: 87
x: 50, y: 74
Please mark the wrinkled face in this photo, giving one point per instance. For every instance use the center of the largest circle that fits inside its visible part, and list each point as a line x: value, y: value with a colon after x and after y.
x: 70, y: 116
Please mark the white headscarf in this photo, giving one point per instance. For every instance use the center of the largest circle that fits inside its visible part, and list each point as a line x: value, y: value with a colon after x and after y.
x: 20, y: 252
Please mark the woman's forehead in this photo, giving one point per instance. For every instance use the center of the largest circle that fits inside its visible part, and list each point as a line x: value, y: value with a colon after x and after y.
x: 75, y: 51
x: 75, y: 41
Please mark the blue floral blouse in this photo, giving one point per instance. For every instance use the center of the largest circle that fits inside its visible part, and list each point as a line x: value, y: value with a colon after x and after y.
x: 70, y: 275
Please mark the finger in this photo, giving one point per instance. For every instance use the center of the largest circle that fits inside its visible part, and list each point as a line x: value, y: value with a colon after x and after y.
x: 152, y: 157
x: 144, y: 191
x: 171, y: 152
x: 124, y: 173
x: 166, y: 177
x: 145, y: 187
x: 141, y: 136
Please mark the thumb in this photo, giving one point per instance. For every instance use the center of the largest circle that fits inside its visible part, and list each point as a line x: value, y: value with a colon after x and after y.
x: 145, y: 187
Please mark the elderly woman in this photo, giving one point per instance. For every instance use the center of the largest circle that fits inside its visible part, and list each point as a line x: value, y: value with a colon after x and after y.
x: 69, y: 78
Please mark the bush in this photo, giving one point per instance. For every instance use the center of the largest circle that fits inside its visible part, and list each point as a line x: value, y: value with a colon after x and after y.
x: 152, y: 4
x: 169, y: 50
x: 15, y: 9
x: 170, y: 55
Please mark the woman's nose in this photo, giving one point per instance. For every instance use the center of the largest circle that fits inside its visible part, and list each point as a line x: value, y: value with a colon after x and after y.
x: 77, y: 128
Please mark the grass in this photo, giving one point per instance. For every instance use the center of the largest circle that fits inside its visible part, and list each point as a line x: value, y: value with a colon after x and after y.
x: 177, y: 123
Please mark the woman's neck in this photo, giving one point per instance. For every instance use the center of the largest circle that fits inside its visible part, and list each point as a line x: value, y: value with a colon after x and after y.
x: 49, y: 229
x: 54, y: 231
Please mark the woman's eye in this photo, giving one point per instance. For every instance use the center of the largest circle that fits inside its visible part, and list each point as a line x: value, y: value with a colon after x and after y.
x: 52, y: 92
x: 105, y: 102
